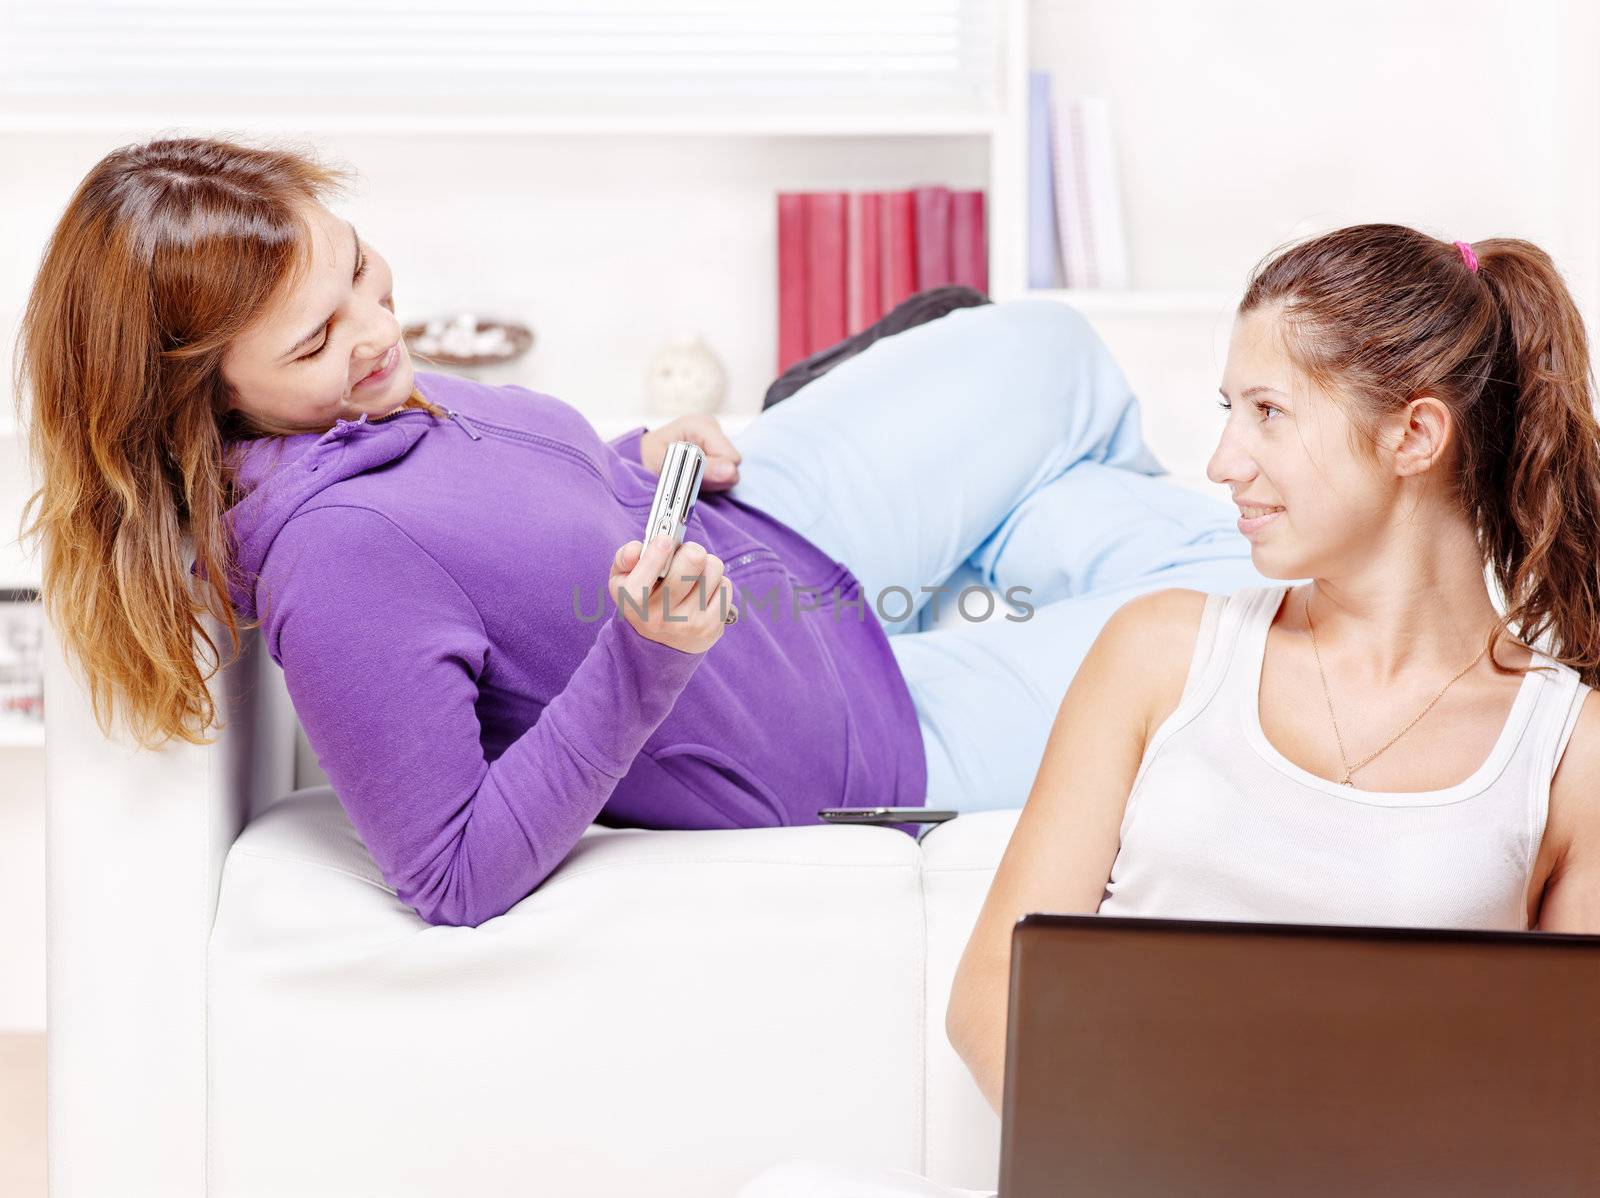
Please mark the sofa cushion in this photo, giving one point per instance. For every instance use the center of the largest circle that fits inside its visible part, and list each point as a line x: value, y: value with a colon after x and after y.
x: 668, y: 1013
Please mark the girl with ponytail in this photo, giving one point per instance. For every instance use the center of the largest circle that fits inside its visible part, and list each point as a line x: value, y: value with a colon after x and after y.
x: 1409, y: 735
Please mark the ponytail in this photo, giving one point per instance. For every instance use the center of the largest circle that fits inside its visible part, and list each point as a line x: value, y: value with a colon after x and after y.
x: 1540, y: 526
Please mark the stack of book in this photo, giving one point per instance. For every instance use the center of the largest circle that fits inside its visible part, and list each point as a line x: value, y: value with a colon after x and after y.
x: 1075, y: 234
x: 846, y: 258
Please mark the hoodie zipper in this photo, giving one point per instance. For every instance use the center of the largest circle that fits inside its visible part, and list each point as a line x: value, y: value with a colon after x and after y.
x: 462, y: 421
x: 581, y: 458
x: 550, y: 443
x: 745, y: 559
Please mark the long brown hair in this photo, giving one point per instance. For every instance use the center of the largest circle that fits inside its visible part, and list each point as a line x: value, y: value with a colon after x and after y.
x: 1378, y: 314
x: 166, y: 251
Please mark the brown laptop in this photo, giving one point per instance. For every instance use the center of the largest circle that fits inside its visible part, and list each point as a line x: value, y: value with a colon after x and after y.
x: 1197, y: 1057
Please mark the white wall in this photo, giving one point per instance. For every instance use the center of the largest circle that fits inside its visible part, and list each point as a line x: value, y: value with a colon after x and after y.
x: 1239, y: 124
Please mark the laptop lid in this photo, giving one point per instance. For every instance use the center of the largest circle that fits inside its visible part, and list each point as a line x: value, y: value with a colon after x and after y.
x: 1196, y: 1057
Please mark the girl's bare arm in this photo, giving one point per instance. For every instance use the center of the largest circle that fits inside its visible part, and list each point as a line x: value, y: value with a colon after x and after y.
x: 1571, y: 901
x: 1067, y: 837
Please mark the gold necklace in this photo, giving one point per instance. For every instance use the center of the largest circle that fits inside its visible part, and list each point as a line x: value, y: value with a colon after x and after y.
x: 1348, y: 768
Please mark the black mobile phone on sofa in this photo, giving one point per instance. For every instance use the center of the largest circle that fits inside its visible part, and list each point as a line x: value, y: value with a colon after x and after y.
x: 885, y: 815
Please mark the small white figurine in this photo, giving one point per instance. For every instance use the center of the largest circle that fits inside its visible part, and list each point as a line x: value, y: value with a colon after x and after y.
x: 685, y: 377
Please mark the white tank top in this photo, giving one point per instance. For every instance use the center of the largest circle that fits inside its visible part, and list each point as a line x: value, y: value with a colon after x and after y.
x: 1220, y: 825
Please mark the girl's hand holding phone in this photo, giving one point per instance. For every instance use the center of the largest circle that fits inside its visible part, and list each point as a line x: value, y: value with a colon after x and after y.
x: 685, y: 610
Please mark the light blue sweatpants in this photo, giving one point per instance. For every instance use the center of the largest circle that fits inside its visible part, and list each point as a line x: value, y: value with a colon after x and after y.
x: 999, y: 446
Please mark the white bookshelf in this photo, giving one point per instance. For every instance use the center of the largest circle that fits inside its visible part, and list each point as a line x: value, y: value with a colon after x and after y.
x: 1002, y: 128
x: 1010, y: 36
x: 983, y: 45
x: 1008, y: 250
x: 991, y: 125
x: 869, y: 123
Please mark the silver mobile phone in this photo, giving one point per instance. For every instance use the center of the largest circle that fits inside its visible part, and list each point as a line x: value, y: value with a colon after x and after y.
x: 676, y: 492
x: 885, y: 815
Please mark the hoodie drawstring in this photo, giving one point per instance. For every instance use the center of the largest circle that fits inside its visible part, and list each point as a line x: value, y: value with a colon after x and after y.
x: 462, y: 421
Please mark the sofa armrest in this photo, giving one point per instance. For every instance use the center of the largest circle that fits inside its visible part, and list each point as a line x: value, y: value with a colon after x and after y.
x: 135, y: 843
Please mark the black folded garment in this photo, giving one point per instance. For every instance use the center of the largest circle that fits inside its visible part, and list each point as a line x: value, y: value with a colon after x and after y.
x: 913, y: 310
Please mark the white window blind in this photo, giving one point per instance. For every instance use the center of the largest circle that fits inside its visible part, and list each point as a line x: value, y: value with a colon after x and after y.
x: 510, y: 55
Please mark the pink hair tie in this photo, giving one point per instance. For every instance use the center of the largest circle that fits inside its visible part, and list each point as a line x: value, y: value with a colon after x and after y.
x: 1467, y: 256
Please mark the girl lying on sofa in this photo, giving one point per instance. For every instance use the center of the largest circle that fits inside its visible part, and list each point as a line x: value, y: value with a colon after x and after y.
x: 225, y: 418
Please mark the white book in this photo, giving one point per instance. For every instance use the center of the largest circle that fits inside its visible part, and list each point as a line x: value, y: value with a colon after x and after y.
x: 1110, y: 250
x: 1088, y: 194
x: 1071, y: 192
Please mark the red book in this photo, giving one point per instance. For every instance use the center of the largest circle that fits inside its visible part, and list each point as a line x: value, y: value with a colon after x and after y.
x: 933, y: 236
x: 825, y: 269
x: 791, y: 280
x: 969, y: 257
x: 865, y: 261
x: 899, y: 246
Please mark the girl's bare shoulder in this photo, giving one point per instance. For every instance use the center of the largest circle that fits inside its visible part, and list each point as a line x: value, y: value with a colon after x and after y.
x: 1163, y: 626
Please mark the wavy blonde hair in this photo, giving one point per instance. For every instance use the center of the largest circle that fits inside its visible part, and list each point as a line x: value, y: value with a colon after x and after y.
x: 165, y: 253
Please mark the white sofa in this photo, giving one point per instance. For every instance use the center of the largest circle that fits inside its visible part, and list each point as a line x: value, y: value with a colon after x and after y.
x: 239, y: 1006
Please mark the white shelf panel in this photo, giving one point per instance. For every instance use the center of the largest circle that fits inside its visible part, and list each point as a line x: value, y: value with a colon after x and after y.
x: 414, y: 55
x: 555, y: 124
x: 1142, y: 302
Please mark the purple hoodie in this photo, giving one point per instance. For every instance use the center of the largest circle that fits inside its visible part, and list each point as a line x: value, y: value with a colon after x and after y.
x: 420, y: 582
